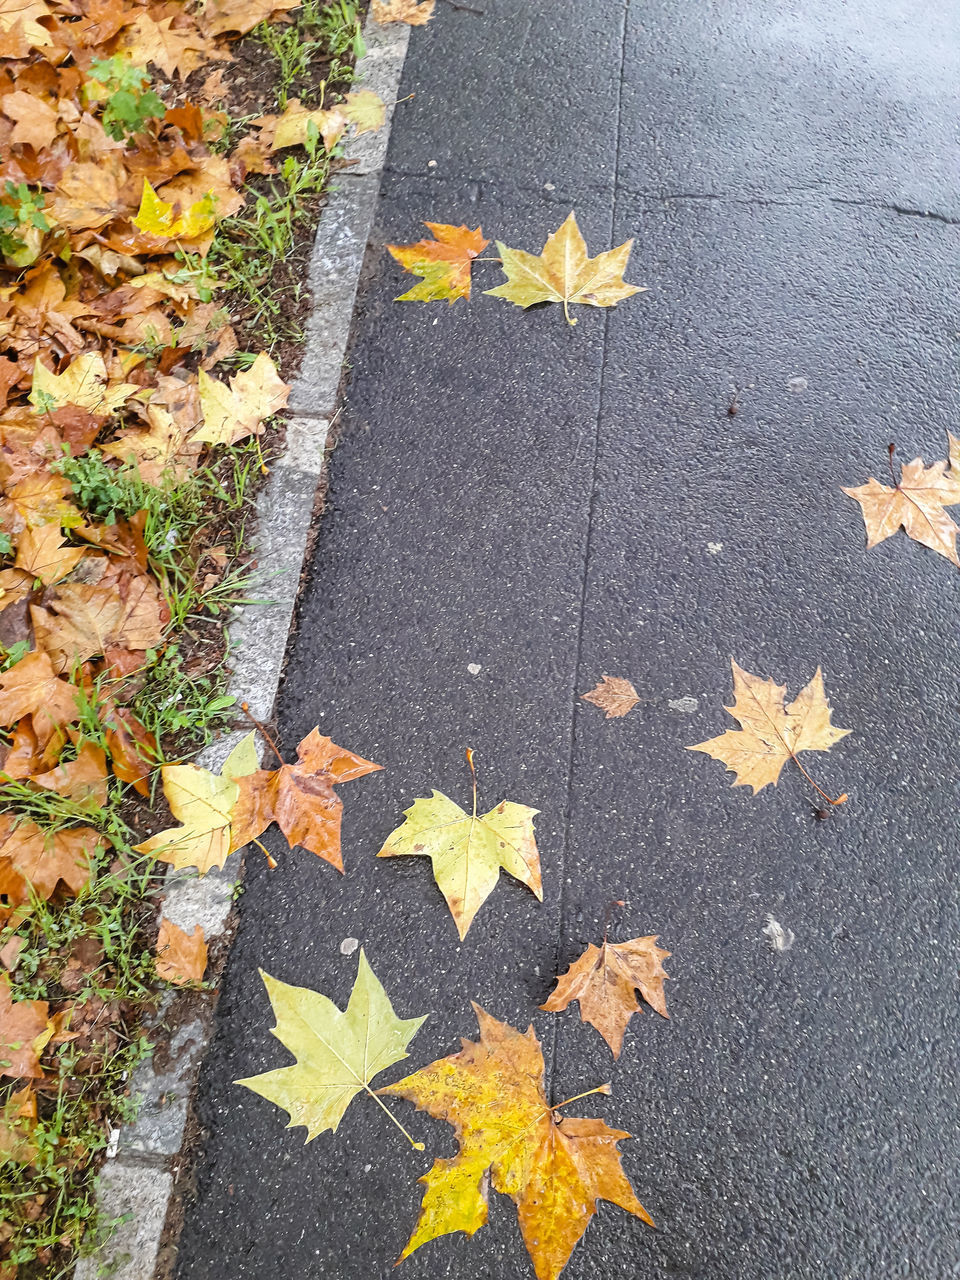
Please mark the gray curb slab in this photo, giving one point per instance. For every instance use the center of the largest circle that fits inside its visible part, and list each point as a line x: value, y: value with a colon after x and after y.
x: 136, y: 1185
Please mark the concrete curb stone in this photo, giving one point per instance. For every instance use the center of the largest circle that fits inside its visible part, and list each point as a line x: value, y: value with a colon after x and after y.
x: 136, y: 1184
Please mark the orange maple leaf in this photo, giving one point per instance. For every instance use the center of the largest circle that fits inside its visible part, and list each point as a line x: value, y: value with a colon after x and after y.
x: 554, y: 1169
x: 444, y: 262
x: 299, y: 798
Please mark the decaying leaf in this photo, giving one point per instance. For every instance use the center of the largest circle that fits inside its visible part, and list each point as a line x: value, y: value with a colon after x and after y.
x: 365, y: 110
x: 467, y: 851
x: 554, y: 1169
x: 25, y: 1030
x: 770, y: 733
x: 564, y: 273
x: 411, y: 12
x: 300, y: 798
x: 444, y: 262
x: 614, y: 695
x: 181, y: 957
x: 916, y: 504
x: 337, y: 1053
x: 18, y: 1123
x: 605, y: 980
x: 32, y: 687
x: 203, y: 802
x: 83, y: 383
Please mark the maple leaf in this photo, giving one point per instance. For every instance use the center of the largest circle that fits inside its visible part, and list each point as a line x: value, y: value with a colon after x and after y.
x: 84, y: 619
x: 83, y: 780
x: 24, y: 1032
x: 916, y: 504
x: 232, y: 413
x: 554, y: 1169
x: 292, y: 128
x: 181, y: 957
x: 35, y: 860
x: 36, y: 122
x: 42, y: 553
x: 564, y: 273
x: 468, y: 852
x: 25, y: 16
x: 614, y: 695
x: 300, y: 798
x: 365, y: 110
x: 338, y: 1053
x: 175, y: 50
x: 88, y: 196
x: 444, y: 262
x: 32, y: 687
x: 203, y: 803
x: 411, y: 12
x: 220, y: 16
x: 156, y: 216
x: 604, y: 981
x: 770, y: 733
x: 133, y: 749
x: 83, y: 383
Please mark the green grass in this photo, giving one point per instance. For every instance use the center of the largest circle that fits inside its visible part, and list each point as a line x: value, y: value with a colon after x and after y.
x: 250, y: 250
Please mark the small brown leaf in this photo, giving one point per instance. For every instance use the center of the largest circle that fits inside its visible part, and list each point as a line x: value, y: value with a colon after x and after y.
x: 181, y: 957
x: 604, y: 981
x: 614, y: 695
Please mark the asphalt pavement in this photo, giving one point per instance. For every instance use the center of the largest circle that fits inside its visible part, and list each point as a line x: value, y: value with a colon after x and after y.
x: 517, y: 507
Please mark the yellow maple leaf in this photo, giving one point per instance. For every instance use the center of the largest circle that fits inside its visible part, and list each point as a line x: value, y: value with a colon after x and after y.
x: 83, y: 383
x: 365, y: 110
x: 770, y: 733
x: 337, y: 1052
x: 230, y: 413
x: 564, y: 273
x: 554, y: 1168
x: 468, y: 851
x: 202, y: 802
x: 156, y: 217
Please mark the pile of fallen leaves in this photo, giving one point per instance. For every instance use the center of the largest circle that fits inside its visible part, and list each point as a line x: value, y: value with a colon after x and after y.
x: 120, y: 380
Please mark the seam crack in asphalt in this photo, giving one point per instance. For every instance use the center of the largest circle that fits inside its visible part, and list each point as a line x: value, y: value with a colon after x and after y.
x: 586, y: 568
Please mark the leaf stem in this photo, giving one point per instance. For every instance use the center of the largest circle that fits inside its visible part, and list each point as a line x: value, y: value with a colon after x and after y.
x: 601, y: 1088
x: 615, y: 902
x: 245, y: 708
x: 417, y: 1146
x: 839, y: 800
x: 474, y: 772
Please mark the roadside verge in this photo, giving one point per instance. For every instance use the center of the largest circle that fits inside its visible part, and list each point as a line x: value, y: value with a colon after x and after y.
x: 139, y: 1182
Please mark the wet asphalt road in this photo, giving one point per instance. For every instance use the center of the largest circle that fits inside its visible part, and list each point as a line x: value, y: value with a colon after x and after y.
x: 550, y: 504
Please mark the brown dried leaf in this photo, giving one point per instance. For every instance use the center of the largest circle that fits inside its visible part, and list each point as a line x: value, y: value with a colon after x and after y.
x: 604, y: 981
x: 614, y: 695
x: 181, y: 957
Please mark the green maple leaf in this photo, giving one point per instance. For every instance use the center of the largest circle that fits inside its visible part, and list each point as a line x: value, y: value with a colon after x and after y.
x: 338, y: 1052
